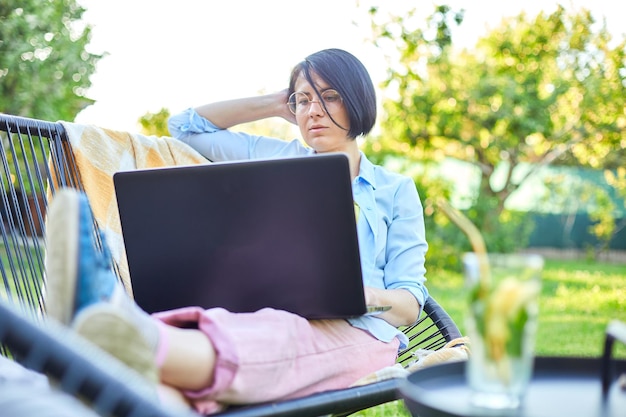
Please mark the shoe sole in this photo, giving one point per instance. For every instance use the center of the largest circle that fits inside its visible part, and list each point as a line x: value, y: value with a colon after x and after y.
x: 107, y: 327
x: 62, y: 255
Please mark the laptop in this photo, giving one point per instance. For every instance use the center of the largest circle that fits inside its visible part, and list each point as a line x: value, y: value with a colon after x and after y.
x: 244, y: 235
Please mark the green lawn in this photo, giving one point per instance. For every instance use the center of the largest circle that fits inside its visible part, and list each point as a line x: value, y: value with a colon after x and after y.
x: 578, y: 299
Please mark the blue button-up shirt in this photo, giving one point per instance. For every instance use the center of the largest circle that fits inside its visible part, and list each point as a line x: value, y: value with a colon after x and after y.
x: 390, y: 227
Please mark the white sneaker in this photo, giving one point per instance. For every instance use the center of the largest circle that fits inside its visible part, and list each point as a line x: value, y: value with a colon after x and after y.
x: 117, y: 332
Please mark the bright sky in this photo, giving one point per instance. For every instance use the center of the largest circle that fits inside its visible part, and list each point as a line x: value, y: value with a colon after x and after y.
x: 176, y: 54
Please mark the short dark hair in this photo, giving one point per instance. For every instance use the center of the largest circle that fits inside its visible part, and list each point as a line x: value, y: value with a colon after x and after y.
x: 346, y: 74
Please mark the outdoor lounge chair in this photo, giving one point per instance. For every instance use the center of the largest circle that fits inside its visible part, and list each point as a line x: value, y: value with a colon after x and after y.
x: 36, y: 160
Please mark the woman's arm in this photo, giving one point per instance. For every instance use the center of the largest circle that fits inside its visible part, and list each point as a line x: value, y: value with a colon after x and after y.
x: 229, y: 113
x: 404, y: 255
x: 205, y: 129
x: 405, y: 308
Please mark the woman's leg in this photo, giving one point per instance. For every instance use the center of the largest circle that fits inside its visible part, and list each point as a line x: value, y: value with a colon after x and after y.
x: 274, y: 355
x: 189, y: 360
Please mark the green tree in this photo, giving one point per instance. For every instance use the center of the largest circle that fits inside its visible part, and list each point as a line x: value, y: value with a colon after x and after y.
x: 44, y: 64
x: 534, y: 91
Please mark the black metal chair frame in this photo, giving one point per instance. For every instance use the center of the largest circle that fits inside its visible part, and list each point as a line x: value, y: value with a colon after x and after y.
x: 36, y: 160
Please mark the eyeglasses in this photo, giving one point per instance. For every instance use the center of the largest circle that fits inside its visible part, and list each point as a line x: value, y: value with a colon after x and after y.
x: 300, y: 102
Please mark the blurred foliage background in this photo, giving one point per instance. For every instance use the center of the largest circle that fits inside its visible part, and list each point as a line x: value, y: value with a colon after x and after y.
x: 536, y: 92
x: 44, y: 63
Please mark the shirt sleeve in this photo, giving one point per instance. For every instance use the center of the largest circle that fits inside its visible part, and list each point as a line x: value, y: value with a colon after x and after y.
x: 218, y: 144
x: 406, y: 243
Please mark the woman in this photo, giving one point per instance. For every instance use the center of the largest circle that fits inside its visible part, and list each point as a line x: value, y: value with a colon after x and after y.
x: 208, y: 358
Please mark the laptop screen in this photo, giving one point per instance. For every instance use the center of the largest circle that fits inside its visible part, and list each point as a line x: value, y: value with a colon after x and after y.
x: 244, y: 235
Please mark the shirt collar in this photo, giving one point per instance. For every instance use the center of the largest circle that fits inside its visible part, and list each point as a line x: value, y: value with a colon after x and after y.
x: 366, y: 171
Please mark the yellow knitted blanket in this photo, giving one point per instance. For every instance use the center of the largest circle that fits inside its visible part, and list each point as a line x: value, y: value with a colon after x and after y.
x: 100, y: 153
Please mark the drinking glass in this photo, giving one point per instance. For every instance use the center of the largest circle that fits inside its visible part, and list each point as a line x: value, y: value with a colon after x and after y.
x: 501, y: 324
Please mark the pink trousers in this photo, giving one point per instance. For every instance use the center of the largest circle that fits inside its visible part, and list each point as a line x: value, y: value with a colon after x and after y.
x: 274, y: 355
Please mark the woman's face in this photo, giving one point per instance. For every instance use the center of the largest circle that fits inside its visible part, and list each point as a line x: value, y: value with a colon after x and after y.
x: 316, y: 127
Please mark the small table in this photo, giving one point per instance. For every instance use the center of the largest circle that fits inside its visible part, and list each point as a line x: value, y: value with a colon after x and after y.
x: 559, y: 387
